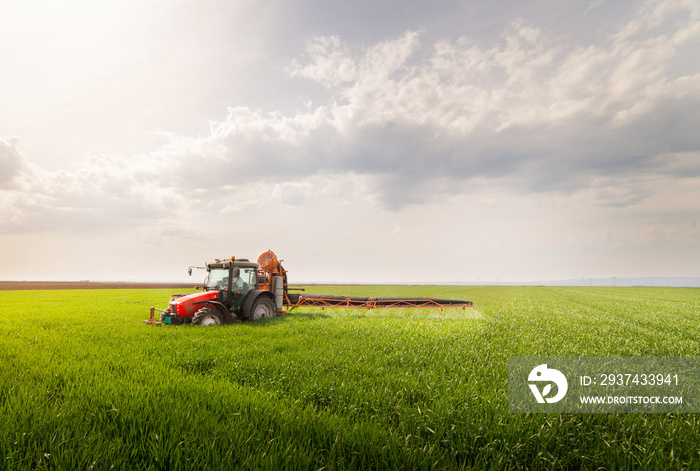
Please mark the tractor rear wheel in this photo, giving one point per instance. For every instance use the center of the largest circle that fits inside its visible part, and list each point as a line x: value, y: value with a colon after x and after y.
x: 207, y: 316
x: 262, y: 307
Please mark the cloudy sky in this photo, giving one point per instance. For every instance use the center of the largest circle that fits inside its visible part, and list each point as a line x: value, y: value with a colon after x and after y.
x: 395, y: 141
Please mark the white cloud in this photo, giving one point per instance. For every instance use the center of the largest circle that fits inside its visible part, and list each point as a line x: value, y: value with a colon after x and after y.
x: 329, y: 62
x: 504, y: 96
x: 11, y: 161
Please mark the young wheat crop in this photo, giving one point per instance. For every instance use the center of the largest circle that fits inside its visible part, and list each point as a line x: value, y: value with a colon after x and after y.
x: 84, y: 384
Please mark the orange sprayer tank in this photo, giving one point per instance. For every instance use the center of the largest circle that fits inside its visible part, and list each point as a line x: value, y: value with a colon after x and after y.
x: 268, y: 261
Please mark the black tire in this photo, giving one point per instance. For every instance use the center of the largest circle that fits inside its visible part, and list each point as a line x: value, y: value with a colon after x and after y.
x: 262, y: 307
x: 207, y: 316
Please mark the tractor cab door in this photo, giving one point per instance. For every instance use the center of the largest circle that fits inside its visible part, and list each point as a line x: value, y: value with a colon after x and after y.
x: 243, y: 280
x: 218, y: 280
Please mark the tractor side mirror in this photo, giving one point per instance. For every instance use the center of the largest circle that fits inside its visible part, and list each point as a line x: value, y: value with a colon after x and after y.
x: 189, y: 271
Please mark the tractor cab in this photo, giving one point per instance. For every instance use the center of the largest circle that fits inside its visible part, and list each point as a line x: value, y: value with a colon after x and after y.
x: 232, y: 280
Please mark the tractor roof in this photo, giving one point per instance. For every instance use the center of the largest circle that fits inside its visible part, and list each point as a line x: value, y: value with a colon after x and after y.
x: 241, y: 262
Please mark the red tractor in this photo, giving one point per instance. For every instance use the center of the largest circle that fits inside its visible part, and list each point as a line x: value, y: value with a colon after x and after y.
x: 239, y: 290
x: 234, y: 290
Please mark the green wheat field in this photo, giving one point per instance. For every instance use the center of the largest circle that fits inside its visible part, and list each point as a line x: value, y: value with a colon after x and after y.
x: 84, y: 384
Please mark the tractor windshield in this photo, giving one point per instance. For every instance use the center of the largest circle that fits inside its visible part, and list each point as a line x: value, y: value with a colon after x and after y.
x: 218, y: 278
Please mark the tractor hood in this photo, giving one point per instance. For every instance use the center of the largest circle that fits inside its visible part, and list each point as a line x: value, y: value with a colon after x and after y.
x: 186, y: 306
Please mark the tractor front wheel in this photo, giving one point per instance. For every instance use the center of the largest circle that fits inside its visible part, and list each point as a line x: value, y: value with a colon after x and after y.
x: 207, y: 316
